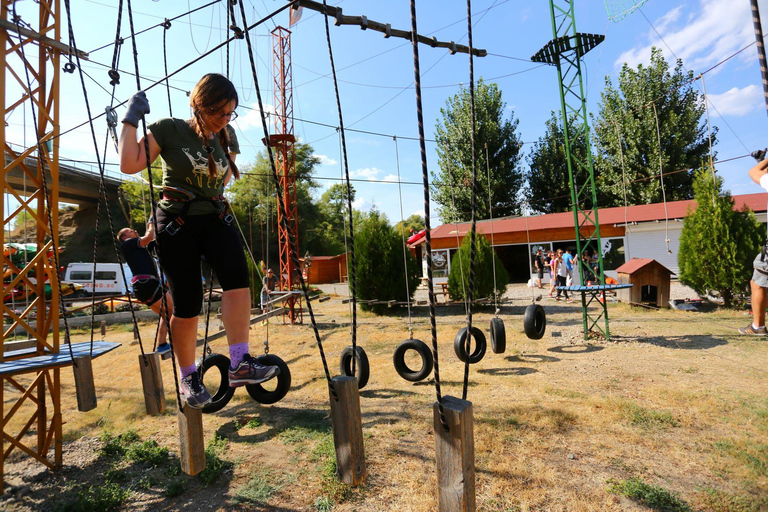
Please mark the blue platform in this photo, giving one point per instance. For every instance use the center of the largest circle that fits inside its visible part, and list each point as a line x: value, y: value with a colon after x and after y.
x: 594, y: 288
x: 63, y: 358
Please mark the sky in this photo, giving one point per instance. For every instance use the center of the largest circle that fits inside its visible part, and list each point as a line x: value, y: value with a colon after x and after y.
x: 375, y: 77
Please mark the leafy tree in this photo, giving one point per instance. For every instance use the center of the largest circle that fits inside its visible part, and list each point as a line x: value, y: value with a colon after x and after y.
x: 135, y: 198
x: 333, y: 225
x: 452, y: 184
x: 625, y: 128
x: 549, y: 190
x: 717, y: 243
x: 379, y: 261
x: 412, y: 224
x: 458, y: 278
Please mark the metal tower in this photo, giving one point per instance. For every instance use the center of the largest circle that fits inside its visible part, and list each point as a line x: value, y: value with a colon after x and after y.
x: 284, y: 141
x: 565, y: 52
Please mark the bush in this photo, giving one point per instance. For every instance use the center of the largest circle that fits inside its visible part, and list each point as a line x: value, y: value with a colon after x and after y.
x: 379, y: 262
x: 652, y: 496
x: 458, y: 279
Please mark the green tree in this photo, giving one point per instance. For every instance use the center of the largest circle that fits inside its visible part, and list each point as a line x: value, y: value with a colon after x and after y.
x: 548, y: 184
x: 485, y: 260
x: 717, y: 243
x: 412, y: 224
x: 625, y: 129
x: 381, y: 270
x: 333, y: 225
x: 452, y: 184
x: 134, y: 198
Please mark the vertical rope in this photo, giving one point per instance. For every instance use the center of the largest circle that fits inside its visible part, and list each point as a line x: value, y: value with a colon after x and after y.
x: 661, y: 178
x: 427, y: 221
x: 490, y: 213
x: 760, y: 48
x: 351, y: 266
x: 405, y: 253
x: 166, y: 26
x: 473, y: 229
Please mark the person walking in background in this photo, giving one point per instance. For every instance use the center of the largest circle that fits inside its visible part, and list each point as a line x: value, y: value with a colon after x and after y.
x: 552, y: 274
x: 561, y: 273
x: 538, y: 263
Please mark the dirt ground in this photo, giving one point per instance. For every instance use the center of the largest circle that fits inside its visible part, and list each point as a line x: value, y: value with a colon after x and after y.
x: 676, y: 399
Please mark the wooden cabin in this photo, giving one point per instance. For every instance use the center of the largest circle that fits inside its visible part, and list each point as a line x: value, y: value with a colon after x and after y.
x: 326, y: 269
x: 649, y: 280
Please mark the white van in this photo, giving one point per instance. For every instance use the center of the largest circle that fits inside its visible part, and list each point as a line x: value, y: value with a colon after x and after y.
x: 108, y: 278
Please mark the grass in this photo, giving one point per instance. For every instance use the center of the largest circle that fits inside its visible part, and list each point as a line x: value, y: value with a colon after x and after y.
x: 307, y: 427
x: 652, y: 496
x: 645, y: 418
x: 147, y: 452
x: 256, y: 491
x: 752, y: 454
x: 215, y: 466
x: 719, y: 501
x: 94, y: 499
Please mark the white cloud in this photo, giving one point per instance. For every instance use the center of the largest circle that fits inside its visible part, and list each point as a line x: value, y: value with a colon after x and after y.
x: 368, y: 173
x: 326, y: 160
x: 358, y: 203
x: 251, y: 117
x: 717, y: 29
x: 738, y: 102
x: 418, y: 212
x: 390, y: 178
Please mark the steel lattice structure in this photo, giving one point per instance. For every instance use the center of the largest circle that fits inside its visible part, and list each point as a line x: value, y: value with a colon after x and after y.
x: 565, y: 52
x: 283, y: 140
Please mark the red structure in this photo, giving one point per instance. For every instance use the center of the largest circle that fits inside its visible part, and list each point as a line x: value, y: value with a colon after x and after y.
x: 283, y: 142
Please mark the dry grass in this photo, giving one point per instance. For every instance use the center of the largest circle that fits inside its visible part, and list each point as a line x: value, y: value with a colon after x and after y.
x: 677, y: 401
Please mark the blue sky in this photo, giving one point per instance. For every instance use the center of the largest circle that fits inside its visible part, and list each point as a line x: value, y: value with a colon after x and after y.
x: 376, y: 76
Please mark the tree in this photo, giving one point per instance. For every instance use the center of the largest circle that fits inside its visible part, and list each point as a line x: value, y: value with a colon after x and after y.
x: 458, y: 278
x: 625, y: 128
x: 548, y: 183
x: 412, y: 224
x: 381, y: 270
x: 135, y: 198
x: 333, y: 225
x: 452, y: 185
x: 717, y: 243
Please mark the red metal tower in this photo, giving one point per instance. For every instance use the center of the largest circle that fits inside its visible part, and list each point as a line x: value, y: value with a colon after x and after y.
x: 283, y: 141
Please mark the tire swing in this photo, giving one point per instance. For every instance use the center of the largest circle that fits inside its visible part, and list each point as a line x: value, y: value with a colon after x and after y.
x: 362, y: 367
x: 497, y: 330
x: 460, y: 345
x: 535, y: 321
x: 498, y: 336
x: 405, y: 371
x: 264, y: 393
x: 223, y: 394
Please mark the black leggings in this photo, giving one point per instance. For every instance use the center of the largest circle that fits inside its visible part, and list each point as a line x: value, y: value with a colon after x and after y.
x: 201, y: 235
x: 560, y: 282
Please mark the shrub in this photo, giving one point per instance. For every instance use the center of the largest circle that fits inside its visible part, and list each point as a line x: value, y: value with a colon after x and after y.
x: 379, y: 262
x: 652, y: 496
x: 458, y: 279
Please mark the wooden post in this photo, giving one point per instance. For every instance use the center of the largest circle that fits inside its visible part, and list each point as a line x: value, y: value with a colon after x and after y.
x: 191, y: 442
x: 152, y: 381
x: 348, y: 431
x: 103, y: 329
x: 84, y: 387
x: 455, y: 450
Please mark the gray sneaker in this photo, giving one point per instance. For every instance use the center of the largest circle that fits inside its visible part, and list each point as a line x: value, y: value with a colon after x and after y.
x: 749, y: 330
x: 193, y: 391
x: 250, y: 371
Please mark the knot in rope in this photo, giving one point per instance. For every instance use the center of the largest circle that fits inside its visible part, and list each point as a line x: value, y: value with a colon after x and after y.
x: 167, y: 24
x: 238, y: 31
x: 114, y: 75
x: 69, y: 67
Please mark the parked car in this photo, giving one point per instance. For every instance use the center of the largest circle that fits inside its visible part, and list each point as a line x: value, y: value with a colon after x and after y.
x: 108, y: 278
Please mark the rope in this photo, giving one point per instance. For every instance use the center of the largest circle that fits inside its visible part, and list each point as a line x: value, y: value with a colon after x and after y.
x: 405, y: 253
x: 427, y: 223
x: 661, y: 179
x: 473, y: 230
x: 166, y: 26
x: 490, y: 214
x: 351, y: 265
x: 164, y: 305
x: 206, y: 349
x: 293, y: 249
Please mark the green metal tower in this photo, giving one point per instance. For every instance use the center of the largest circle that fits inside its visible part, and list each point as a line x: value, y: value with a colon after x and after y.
x: 565, y: 52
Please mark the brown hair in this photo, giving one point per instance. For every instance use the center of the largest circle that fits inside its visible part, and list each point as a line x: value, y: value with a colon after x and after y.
x: 121, y: 234
x: 209, y: 93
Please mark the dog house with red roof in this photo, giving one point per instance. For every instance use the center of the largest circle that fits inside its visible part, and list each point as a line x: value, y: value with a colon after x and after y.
x: 650, y: 280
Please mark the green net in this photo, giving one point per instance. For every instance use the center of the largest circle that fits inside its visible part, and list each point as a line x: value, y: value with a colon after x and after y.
x: 620, y: 9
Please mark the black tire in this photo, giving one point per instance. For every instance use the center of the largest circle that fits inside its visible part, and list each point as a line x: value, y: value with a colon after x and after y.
x: 80, y: 294
x: 361, y: 365
x: 427, y: 362
x: 535, y: 321
x: 223, y: 394
x: 265, y: 396
x: 498, y: 336
x: 480, y: 345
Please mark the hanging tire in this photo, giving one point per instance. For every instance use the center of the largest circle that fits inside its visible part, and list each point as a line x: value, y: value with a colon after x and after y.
x: 480, y: 345
x: 361, y: 365
x: 281, y: 383
x: 223, y: 393
x: 535, y: 321
x: 427, y: 362
x: 498, y: 336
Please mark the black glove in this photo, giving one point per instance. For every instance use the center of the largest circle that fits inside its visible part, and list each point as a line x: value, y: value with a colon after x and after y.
x: 759, y: 155
x: 138, y: 105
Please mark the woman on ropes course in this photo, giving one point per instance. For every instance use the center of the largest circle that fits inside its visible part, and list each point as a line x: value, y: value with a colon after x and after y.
x: 193, y: 220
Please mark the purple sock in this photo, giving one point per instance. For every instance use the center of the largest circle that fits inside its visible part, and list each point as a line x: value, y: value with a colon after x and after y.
x: 236, y: 353
x: 187, y: 370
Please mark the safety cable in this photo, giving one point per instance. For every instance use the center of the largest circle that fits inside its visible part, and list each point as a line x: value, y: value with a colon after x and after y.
x: 351, y: 268
x: 164, y: 305
x: 402, y: 232
x: 427, y: 223
x: 292, y: 246
x: 473, y: 230
x: 166, y: 27
x: 490, y: 214
x: 661, y: 179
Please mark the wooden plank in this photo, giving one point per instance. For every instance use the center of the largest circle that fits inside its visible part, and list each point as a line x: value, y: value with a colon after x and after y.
x: 191, y: 441
x: 455, y: 453
x: 223, y: 332
x: 152, y: 382
x: 325, y: 298
x: 84, y: 386
x: 348, y: 431
x: 63, y: 358
x: 19, y: 345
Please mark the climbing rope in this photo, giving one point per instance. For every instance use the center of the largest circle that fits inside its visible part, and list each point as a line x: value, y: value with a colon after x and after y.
x: 490, y: 214
x: 166, y: 26
x: 293, y: 249
x: 427, y: 220
x: 661, y: 179
x: 405, y: 253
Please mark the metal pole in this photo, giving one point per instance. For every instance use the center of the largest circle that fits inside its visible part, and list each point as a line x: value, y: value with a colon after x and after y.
x: 760, y: 48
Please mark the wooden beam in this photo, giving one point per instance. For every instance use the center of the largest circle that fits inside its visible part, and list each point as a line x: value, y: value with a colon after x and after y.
x: 12, y: 27
x: 152, y: 382
x: 84, y: 386
x: 191, y: 440
x: 347, y: 431
x: 223, y: 332
x: 455, y: 451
